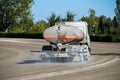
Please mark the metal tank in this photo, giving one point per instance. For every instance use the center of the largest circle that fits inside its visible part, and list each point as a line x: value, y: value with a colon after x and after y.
x: 68, y: 41
x: 63, y: 34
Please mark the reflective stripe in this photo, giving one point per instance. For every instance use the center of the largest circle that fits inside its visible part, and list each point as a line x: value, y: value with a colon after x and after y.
x: 70, y: 37
x: 48, y: 36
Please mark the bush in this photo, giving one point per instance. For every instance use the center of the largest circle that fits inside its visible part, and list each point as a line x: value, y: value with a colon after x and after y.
x: 103, y: 38
x: 106, y: 38
x: 116, y: 38
x: 22, y: 35
x: 98, y: 38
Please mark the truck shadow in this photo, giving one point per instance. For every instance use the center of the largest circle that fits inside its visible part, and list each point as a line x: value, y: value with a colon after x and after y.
x: 40, y: 61
x: 106, y: 54
x: 30, y: 62
x: 47, y: 61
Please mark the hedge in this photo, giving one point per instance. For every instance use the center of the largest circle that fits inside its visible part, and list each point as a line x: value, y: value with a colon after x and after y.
x: 106, y: 38
x: 22, y: 35
x: 98, y: 38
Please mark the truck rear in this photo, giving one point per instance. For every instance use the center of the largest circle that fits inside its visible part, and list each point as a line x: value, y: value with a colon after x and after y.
x: 69, y: 41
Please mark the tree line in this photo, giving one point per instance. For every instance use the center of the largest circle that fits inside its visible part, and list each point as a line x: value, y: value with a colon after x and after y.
x: 15, y: 16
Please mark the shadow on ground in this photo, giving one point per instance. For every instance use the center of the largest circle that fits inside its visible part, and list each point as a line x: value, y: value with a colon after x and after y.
x: 29, y: 62
x: 106, y: 54
x: 62, y: 61
x: 41, y: 61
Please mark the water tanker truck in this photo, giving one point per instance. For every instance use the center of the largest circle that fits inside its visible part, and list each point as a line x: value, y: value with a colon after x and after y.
x: 69, y: 41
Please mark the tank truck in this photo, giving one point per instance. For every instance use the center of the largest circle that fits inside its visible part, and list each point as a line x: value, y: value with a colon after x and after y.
x: 69, y: 41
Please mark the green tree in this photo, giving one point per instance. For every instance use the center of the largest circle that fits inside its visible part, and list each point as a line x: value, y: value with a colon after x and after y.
x: 92, y: 13
x: 25, y: 23
x: 23, y: 26
x: 114, y: 21
x: 115, y: 28
x: 107, y: 25
x: 92, y: 20
x: 12, y: 11
x: 53, y: 19
x: 101, y: 24
x: 104, y: 25
x: 69, y: 16
x: 88, y: 20
x: 117, y: 11
x: 40, y: 26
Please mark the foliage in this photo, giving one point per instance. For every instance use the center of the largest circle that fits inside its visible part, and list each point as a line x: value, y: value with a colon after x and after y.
x: 103, y: 25
x: 15, y: 16
x: 40, y: 26
x: 106, y: 38
x: 13, y: 11
x: 117, y: 11
x: 92, y: 20
x: 23, y: 26
x: 92, y: 13
x: 53, y: 19
x: 107, y: 26
x: 100, y: 26
x: 22, y: 35
x: 115, y: 29
x: 99, y: 38
x: 69, y: 16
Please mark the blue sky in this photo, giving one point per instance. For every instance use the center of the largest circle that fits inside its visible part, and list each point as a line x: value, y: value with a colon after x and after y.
x: 42, y: 9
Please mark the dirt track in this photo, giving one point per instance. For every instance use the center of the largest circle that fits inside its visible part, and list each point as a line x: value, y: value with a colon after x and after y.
x: 16, y: 62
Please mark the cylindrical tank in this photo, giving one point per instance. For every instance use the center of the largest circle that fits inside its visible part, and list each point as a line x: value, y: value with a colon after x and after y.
x: 63, y: 34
